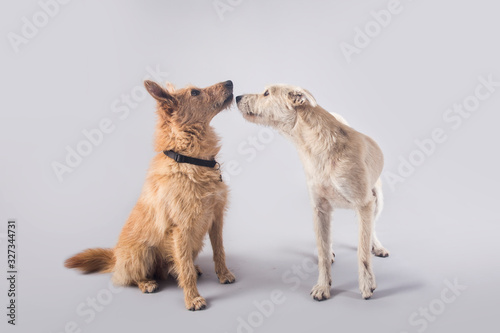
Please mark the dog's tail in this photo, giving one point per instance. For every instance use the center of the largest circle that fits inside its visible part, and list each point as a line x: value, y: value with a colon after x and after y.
x: 92, y: 261
x: 379, y: 198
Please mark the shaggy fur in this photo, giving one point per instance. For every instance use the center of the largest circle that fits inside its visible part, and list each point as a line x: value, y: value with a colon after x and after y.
x: 342, y: 168
x: 179, y: 204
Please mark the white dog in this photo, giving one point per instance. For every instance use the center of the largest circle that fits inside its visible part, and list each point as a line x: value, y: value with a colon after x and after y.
x: 342, y: 168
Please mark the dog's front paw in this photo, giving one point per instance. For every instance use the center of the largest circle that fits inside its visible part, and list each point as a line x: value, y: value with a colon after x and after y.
x: 320, y: 292
x: 367, y: 292
x: 380, y: 252
x: 195, y: 304
x: 367, y: 286
x: 226, y: 278
x: 148, y: 287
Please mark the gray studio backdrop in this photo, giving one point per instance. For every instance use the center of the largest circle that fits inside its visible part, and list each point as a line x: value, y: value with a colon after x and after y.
x: 421, y: 77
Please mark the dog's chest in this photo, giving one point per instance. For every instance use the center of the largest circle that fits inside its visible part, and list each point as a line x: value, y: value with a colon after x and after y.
x: 316, y: 168
x: 320, y: 179
x: 213, y: 197
x: 210, y: 202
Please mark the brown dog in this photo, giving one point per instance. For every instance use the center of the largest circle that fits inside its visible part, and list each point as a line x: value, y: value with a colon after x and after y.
x: 180, y: 201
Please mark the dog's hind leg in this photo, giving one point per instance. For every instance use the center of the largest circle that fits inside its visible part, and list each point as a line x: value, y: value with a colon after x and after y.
x: 366, y: 277
x: 322, y: 214
x: 136, y: 265
x: 377, y: 247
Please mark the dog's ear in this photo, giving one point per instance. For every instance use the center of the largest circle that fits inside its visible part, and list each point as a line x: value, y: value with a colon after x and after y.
x: 170, y: 87
x: 300, y: 96
x: 160, y: 94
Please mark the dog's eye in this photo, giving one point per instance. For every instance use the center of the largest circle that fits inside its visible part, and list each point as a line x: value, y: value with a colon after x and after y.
x: 266, y: 93
x: 195, y: 92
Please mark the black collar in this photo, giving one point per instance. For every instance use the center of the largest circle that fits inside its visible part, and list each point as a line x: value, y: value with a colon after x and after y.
x: 179, y: 158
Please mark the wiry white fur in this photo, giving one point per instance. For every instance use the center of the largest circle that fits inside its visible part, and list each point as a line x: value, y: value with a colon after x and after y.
x: 342, y: 169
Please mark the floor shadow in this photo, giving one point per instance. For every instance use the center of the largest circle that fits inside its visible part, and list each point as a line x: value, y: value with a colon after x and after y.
x: 257, y: 274
x: 347, y: 289
x: 346, y: 293
x: 166, y: 284
x: 385, y: 292
x: 351, y: 290
x: 342, y: 245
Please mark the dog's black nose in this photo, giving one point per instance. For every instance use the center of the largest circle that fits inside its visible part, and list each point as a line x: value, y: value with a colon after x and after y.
x: 228, y: 83
x: 238, y: 98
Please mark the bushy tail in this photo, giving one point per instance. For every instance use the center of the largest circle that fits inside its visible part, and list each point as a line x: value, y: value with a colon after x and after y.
x: 92, y: 261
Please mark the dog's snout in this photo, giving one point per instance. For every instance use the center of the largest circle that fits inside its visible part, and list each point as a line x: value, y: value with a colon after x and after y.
x: 238, y: 98
x: 228, y: 84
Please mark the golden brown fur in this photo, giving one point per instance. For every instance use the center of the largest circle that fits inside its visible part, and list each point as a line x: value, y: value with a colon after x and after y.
x: 180, y: 203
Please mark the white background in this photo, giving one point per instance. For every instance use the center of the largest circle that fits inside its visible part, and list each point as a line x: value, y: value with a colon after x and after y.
x: 440, y: 223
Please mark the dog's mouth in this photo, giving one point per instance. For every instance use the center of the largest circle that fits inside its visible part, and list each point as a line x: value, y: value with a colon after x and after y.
x: 225, y: 104
x: 247, y: 111
x: 228, y: 100
x: 251, y: 114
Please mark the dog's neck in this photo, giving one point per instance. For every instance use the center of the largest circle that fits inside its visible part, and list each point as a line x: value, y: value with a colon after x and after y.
x: 309, y: 132
x: 199, y: 141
